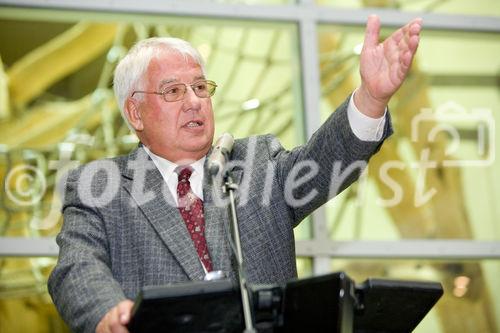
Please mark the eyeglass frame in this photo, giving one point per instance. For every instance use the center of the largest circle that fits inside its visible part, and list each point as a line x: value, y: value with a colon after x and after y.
x: 163, y: 93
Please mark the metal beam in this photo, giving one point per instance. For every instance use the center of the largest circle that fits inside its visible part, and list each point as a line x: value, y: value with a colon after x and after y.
x: 397, y: 18
x: 464, y: 80
x: 274, y: 13
x: 28, y: 247
x: 308, y: 39
x: 402, y: 249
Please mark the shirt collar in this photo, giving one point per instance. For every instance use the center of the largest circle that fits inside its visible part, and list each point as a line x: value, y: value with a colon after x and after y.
x: 168, y: 167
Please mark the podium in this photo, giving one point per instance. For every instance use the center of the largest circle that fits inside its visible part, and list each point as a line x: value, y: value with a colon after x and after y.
x: 327, y: 303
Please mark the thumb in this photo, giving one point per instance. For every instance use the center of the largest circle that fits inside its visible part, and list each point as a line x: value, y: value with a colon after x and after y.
x: 372, y: 32
x: 124, y: 311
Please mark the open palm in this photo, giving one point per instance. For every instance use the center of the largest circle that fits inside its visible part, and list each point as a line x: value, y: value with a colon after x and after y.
x: 384, y: 66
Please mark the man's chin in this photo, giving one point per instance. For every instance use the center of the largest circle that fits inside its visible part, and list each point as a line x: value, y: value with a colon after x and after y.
x: 197, y: 151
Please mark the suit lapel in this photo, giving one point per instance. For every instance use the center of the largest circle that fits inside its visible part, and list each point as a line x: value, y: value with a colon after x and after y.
x: 160, y: 209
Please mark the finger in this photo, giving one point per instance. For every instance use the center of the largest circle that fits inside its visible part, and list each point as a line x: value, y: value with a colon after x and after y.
x: 408, y: 54
x: 410, y: 48
x: 372, y: 32
x: 401, y: 74
x: 118, y: 328
x: 124, y: 311
x: 112, y: 321
x: 115, y: 323
x: 419, y: 21
x: 397, y: 36
x: 400, y: 37
x: 406, y: 59
x: 411, y: 29
x: 406, y: 33
x: 415, y: 29
x: 411, y: 39
x: 413, y: 43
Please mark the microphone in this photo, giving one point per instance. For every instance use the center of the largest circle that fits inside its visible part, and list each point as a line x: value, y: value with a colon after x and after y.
x: 220, y: 153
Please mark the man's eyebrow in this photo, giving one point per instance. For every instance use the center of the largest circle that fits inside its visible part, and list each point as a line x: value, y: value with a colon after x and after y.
x: 166, y: 81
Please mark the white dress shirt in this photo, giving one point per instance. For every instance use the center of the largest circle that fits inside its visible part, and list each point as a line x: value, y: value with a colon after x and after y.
x: 167, y: 170
x: 364, y: 127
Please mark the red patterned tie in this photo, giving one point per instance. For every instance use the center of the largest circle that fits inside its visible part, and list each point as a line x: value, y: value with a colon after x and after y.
x: 191, y: 209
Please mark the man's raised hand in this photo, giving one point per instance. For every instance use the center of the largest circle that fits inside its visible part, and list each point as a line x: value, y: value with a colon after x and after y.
x: 384, y: 66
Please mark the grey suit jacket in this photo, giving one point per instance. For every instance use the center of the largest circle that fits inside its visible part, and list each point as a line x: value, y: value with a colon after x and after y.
x: 122, y: 231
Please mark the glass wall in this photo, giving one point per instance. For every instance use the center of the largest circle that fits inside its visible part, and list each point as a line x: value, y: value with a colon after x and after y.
x: 424, y: 182
x: 436, y: 178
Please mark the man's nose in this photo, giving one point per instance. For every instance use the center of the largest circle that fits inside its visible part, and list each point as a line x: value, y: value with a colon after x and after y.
x: 191, y: 101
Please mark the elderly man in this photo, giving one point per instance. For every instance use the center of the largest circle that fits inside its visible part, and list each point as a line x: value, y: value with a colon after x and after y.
x: 152, y: 218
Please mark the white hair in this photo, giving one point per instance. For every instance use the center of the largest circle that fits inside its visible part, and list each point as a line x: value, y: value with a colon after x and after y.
x: 130, y: 70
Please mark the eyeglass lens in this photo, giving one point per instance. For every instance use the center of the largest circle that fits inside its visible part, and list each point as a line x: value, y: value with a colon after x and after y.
x: 202, y: 89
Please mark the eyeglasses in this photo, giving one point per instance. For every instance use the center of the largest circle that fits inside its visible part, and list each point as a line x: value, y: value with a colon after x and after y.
x: 175, y: 92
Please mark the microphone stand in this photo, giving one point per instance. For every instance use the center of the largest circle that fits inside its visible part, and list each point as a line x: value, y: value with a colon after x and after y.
x: 230, y: 187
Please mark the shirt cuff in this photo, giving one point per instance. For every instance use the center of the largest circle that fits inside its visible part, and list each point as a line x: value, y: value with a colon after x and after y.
x: 364, y: 127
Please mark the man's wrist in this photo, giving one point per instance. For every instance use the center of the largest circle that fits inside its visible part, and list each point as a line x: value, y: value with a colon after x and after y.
x: 364, y: 127
x: 369, y: 105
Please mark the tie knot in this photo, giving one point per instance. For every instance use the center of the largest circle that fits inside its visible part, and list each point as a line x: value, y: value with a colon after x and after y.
x: 184, y: 173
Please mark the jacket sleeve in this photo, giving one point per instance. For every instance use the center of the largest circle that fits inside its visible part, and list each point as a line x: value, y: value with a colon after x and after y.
x: 81, y: 284
x: 331, y: 160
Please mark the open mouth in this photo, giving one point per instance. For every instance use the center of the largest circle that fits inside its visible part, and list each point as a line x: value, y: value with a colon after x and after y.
x: 193, y: 124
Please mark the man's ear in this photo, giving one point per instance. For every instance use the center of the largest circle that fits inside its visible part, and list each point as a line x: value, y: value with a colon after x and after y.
x: 133, y: 115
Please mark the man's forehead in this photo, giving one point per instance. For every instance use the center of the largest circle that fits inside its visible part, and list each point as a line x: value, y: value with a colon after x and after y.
x: 175, y: 56
x: 171, y: 67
